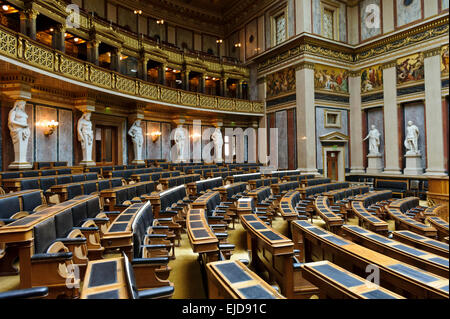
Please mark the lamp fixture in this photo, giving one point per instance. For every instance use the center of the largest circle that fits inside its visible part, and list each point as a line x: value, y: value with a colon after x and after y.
x: 76, y: 39
x: 155, y: 136
x: 137, y: 11
x: 196, y: 135
x: 51, y: 29
x: 237, y: 45
x: 219, y: 41
x: 161, y: 21
x: 48, y: 126
x: 5, y: 7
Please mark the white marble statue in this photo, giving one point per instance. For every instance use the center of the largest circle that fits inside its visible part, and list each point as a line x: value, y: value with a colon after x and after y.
x: 374, y: 140
x: 181, y: 143
x: 86, y: 136
x: 218, y: 144
x: 20, y: 132
x: 411, y: 140
x: 137, y: 137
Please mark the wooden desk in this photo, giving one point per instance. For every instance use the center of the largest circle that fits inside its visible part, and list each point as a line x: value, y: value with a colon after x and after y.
x: 367, y: 220
x: 287, y: 209
x: 20, y: 234
x: 404, y: 222
x: 440, y: 225
x: 405, y: 253
x: 202, y: 239
x: 438, y: 192
x: 106, y: 279
x: 315, y: 243
x: 233, y: 280
x: 335, y: 282
x: 431, y: 245
x: 120, y: 231
x: 332, y: 221
x: 274, y: 252
x: 13, y: 184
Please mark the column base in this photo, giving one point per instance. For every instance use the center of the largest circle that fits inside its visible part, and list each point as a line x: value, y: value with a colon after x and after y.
x: 87, y: 163
x: 357, y: 170
x: 138, y: 162
x: 19, y: 166
x: 309, y: 171
x: 413, y: 165
x: 392, y: 171
x: 435, y: 172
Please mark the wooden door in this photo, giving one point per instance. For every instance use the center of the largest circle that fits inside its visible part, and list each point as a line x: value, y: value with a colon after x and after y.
x: 332, y: 166
x: 106, y: 145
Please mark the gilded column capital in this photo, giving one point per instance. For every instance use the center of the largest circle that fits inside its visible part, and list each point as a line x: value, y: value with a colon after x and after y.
x: 390, y: 64
x: 304, y: 65
x: 93, y: 43
x: 31, y: 13
x: 354, y: 74
x: 432, y: 53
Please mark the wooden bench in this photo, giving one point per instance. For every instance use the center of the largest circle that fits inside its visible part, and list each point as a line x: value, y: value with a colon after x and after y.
x: 400, y: 251
x: 335, y: 282
x: 243, y: 177
x: 274, y: 253
x: 431, y: 245
x: 233, y: 280
x: 256, y: 183
x: 315, y: 244
x: 169, y: 182
x: 71, y: 190
x: 200, y: 187
x: 119, y: 198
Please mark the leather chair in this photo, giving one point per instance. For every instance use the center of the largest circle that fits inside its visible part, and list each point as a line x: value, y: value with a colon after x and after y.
x: 74, y: 190
x: 60, y: 180
x: 29, y: 184
x: 10, y: 210
x: 30, y: 173
x: 48, y: 172
x: 64, y: 171
x: 32, y: 202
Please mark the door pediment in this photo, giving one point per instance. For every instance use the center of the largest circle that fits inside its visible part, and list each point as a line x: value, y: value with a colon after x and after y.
x: 334, y: 137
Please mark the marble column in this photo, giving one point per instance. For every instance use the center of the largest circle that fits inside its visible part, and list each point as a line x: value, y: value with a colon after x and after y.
x: 356, y: 143
x: 162, y: 74
x: 31, y: 22
x: 92, y: 51
x: 115, y: 59
x: 23, y: 23
x: 433, y: 113
x: 225, y: 87
x: 303, y: 16
x: 59, y: 38
x: 203, y: 83
x: 185, y: 79
x: 142, y: 68
x: 306, y: 124
x: 391, y: 119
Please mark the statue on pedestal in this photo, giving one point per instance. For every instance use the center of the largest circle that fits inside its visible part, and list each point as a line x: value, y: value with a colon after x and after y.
x: 411, y: 140
x: 180, y: 141
x: 20, y: 133
x: 374, y: 140
x: 218, y: 144
x: 86, y: 137
x: 138, y: 140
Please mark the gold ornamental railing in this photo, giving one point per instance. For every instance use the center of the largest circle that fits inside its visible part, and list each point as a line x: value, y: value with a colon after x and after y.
x: 25, y: 50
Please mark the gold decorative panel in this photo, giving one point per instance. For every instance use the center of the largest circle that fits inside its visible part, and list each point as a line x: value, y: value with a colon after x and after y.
x: 243, y: 106
x: 207, y: 101
x: 258, y: 107
x: 126, y: 85
x: 225, y: 104
x: 148, y: 90
x: 100, y: 77
x: 72, y: 68
x: 188, y: 98
x: 169, y: 95
x: 8, y: 44
x: 38, y: 56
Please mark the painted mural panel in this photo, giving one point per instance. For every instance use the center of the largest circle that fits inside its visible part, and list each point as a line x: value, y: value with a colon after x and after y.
x: 408, y: 11
x: 410, y: 68
x: 370, y: 13
x: 444, y: 60
x: 280, y: 82
x: 372, y: 79
x: 330, y: 79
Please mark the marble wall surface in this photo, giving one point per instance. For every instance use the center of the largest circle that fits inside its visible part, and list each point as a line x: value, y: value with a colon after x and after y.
x: 316, y: 17
x: 375, y: 117
x: 322, y: 130
x: 281, y: 124
x: 65, y: 133
x: 415, y: 112
x: 30, y: 109
x: 367, y: 18
x: 408, y: 11
x: 343, y: 22
x: 444, y: 4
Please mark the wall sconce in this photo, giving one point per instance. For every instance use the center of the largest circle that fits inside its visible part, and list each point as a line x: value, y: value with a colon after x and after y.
x: 160, y: 21
x: 219, y: 41
x: 237, y: 45
x: 137, y: 11
x: 155, y: 136
x: 48, y: 126
x: 196, y: 136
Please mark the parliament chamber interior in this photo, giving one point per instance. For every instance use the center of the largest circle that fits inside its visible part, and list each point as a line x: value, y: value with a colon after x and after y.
x: 239, y: 149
